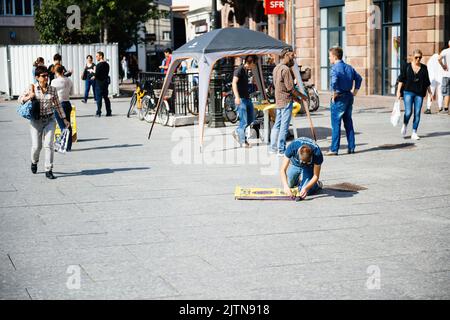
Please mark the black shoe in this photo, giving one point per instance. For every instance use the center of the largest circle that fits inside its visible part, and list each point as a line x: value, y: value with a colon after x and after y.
x: 34, y: 168
x: 49, y: 175
x: 98, y: 115
x: 84, y: 101
x: 445, y: 109
x: 350, y: 151
x: 109, y: 114
x: 428, y: 111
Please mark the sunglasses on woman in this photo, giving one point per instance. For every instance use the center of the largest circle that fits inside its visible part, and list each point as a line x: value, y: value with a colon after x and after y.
x: 418, y: 57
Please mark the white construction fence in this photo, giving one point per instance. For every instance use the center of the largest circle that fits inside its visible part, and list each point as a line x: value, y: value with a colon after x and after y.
x: 16, y: 63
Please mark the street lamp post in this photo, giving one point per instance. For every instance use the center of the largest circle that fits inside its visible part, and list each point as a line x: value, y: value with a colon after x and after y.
x: 215, y: 87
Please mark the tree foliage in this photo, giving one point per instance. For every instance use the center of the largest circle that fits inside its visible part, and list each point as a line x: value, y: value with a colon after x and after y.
x: 101, y: 21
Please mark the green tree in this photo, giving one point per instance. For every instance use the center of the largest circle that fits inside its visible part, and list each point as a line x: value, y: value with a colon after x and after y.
x: 103, y: 21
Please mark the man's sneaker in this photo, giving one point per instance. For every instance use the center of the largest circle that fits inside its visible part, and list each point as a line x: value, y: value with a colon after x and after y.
x: 49, y: 175
x: 109, y: 114
x: 320, y: 185
x: 414, y: 136
x: 428, y: 111
x: 98, y: 115
x: 403, y: 131
x: 445, y: 109
x: 34, y: 168
x: 350, y: 151
x: 84, y: 100
x: 280, y: 154
x: 330, y: 153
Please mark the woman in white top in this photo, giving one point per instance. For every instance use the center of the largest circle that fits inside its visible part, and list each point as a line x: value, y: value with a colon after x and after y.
x: 64, y: 87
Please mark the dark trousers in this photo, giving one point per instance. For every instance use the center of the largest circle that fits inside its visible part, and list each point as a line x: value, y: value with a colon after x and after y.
x: 88, y: 84
x: 101, y: 92
x: 67, y: 106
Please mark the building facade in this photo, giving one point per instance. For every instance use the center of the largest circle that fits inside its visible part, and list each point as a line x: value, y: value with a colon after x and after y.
x: 17, y: 22
x: 377, y: 36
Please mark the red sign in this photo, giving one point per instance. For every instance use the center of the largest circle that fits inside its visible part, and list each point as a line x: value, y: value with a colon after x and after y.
x: 274, y: 6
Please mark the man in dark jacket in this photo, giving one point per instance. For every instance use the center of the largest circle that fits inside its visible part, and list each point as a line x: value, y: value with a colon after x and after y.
x: 102, y: 81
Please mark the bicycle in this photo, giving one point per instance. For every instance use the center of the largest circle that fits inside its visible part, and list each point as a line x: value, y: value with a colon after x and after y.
x: 136, y: 100
x: 150, y: 102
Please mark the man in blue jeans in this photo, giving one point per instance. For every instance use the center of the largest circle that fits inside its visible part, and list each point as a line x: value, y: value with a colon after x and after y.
x: 242, y: 100
x: 285, y: 92
x: 343, y: 92
x: 301, y: 167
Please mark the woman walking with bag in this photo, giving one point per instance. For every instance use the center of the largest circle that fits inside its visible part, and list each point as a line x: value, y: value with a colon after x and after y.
x: 415, y: 80
x: 42, y: 127
x: 64, y: 87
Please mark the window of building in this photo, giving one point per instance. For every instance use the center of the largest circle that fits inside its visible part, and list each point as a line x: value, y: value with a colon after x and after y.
x: 166, y: 35
x: 332, y: 34
x: 389, y: 46
x: 18, y: 7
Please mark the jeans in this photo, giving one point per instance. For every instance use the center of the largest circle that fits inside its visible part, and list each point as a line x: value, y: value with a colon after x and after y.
x: 42, y: 129
x: 67, y: 106
x: 101, y: 92
x: 341, y: 110
x: 87, y: 87
x: 246, y: 117
x: 410, y: 99
x: 280, y: 129
x: 305, y: 173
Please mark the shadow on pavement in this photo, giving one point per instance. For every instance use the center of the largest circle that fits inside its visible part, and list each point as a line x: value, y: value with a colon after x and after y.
x: 436, y: 134
x: 109, y: 147
x: 398, y: 146
x: 321, y: 132
x: 95, y: 172
x: 93, y: 139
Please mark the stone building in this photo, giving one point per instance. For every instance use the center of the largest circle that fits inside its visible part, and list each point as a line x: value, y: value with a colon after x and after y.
x: 17, y: 22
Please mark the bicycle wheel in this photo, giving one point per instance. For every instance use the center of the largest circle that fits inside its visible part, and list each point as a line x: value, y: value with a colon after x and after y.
x: 314, y: 102
x: 132, y: 108
x: 230, y: 108
x: 144, y: 107
x: 163, y: 113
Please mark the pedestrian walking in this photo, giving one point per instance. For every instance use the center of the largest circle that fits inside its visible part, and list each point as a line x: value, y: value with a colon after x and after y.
x: 415, y: 81
x: 42, y: 128
x: 87, y: 77
x: 124, y: 64
x: 102, y: 80
x: 39, y: 62
x: 64, y: 88
x: 242, y: 100
x: 345, y: 84
x: 285, y: 93
x: 444, y: 61
x: 57, y: 59
x: 435, y: 72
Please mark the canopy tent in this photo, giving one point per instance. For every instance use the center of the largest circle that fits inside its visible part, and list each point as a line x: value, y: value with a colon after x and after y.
x: 210, y: 47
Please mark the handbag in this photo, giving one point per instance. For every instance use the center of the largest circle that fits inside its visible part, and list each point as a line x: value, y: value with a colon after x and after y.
x: 24, y: 110
x: 84, y: 76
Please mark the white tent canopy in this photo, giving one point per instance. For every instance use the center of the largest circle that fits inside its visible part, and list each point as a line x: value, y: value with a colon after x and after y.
x: 215, y: 45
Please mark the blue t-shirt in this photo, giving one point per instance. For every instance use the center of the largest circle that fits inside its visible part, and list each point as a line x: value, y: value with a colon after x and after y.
x: 292, y: 152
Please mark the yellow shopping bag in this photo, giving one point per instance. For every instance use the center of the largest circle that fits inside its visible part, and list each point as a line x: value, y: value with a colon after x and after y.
x: 73, y: 123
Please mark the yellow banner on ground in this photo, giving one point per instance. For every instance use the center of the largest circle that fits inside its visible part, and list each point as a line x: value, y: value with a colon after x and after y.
x: 73, y: 123
x: 262, y: 193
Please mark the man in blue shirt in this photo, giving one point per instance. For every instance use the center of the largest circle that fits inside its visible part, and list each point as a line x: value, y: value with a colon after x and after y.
x: 343, y: 92
x: 301, y: 167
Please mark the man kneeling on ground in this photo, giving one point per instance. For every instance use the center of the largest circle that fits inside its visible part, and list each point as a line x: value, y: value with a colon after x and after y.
x: 301, y: 167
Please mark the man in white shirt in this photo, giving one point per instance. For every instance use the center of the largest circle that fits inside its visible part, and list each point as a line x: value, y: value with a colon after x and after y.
x: 444, y: 61
x: 64, y: 87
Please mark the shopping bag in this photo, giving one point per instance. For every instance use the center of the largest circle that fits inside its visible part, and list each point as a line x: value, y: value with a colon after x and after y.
x: 396, y: 114
x: 61, y: 141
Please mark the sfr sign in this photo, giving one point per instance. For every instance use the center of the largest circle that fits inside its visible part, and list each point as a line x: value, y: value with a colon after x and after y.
x: 274, y: 6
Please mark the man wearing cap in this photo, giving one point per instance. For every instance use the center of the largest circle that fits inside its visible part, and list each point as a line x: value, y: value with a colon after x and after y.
x: 301, y: 167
